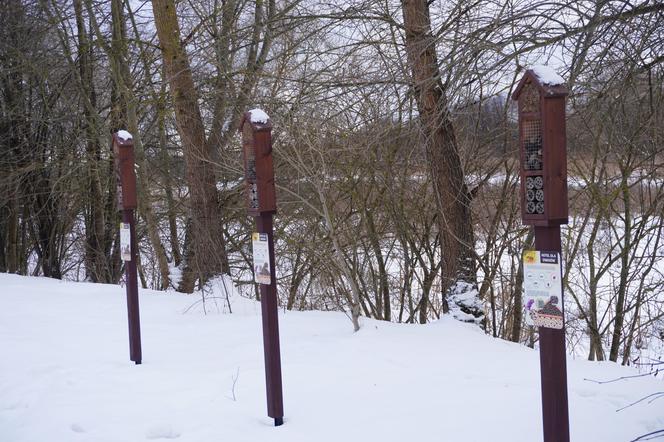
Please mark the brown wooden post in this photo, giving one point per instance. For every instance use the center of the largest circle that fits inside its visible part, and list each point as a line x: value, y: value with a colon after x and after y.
x: 543, y: 156
x: 260, y: 194
x: 553, y: 358
x: 123, y: 152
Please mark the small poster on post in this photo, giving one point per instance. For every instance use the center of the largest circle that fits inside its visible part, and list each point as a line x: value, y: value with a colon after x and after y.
x: 261, y: 249
x: 125, y: 242
x: 543, y: 289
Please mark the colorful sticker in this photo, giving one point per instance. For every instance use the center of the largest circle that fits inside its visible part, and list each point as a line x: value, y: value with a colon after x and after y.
x: 543, y: 289
x: 261, y: 249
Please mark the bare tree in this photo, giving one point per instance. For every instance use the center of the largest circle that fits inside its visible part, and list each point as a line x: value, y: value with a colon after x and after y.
x: 452, y: 196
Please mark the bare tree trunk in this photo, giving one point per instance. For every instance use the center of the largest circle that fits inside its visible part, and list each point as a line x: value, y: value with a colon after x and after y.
x: 168, y: 185
x: 126, y: 112
x: 595, y: 351
x: 452, y: 196
x: 188, y: 280
x: 517, y: 293
x: 296, y: 279
x: 24, y: 245
x: 355, y: 299
x: 619, y: 318
x: 384, y: 293
x: 97, y: 270
x: 301, y: 268
x: 4, y: 216
x: 12, y: 234
x: 424, y: 301
x: 207, y: 233
x: 407, y: 278
x: 634, y: 327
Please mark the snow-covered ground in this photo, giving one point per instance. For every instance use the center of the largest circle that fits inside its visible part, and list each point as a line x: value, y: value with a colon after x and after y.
x: 65, y: 375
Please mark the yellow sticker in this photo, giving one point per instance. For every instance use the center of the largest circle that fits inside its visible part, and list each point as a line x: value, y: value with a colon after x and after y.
x: 530, y: 256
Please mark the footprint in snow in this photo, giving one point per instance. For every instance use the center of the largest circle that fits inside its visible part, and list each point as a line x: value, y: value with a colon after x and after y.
x: 13, y: 406
x: 164, y: 431
x: 76, y: 428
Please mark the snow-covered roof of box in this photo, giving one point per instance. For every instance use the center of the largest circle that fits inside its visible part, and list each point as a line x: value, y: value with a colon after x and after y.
x: 258, y: 116
x: 124, y: 135
x: 547, y: 81
x: 547, y: 75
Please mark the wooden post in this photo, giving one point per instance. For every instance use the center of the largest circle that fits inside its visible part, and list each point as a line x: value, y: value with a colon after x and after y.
x: 553, y: 358
x: 261, y: 204
x: 123, y: 151
x: 271, y: 349
x: 543, y: 156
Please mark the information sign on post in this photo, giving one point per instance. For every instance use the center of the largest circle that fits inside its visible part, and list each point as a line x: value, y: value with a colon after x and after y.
x: 261, y: 250
x: 125, y: 241
x: 541, y: 97
x: 122, y: 145
x: 542, y: 286
x: 256, y: 130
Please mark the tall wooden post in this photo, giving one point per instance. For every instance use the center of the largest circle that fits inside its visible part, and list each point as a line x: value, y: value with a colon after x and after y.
x: 543, y: 156
x: 123, y: 151
x: 553, y: 358
x: 271, y: 349
x: 260, y: 194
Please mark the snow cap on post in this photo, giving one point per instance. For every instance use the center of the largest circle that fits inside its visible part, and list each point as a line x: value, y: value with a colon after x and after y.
x: 549, y: 83
x: 258, y: 118
x: 124, y: 135
x: 122, y: 145
x: 256, y: 130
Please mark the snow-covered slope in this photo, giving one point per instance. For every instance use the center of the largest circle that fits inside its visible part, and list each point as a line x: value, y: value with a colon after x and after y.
x: 65, y: 375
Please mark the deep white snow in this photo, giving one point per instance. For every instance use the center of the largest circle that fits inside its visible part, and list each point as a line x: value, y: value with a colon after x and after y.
x: 258, y: 116
x: 547, y: 75
x: 123, y: 134
x: 65, y: 375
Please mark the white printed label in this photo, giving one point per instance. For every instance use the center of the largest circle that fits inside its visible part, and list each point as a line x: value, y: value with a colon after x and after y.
x: 125, y: 241
x: 261, y: 251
